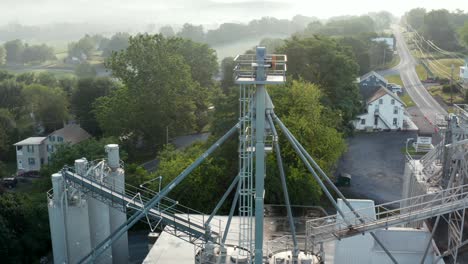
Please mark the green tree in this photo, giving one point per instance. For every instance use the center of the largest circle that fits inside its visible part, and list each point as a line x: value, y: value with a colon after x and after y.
x: 48, y: 104
x: 192, y: 32
x: 227, y: 73
x: 83, y: 48
x: 37, y: 53
x: 12, y: 97
x: 26, y: 78
x: 415, y: 18
x: 438, y: 28
x: 2, y: 55
x: 23, y: 222
x: 158, y: 91
x: 200, y: 58
x: 167, y: 31
x: 323, y: 61
x: 360, y: 49
x: 85, y: 70
x: 7, y: 125
x: 117, y: 42
x: 298, y: 105
x: 382, y: 20
x: 47, y: 79
x: 272, y: 44
x: 5, y: 75
x: 83, y: 98
x: 205, y: 185
x: 463, y: 33
x: 380, y: 54
x: 14, y: 51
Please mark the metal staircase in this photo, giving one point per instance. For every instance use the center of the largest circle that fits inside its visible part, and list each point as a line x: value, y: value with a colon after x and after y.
x: 377, y: 113
x: 419, y: 208
x: 185, y: 223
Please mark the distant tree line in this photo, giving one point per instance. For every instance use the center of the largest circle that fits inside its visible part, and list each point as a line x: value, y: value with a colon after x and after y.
x: 18, y: 52
x: 441, y: 26
x: 85, y: 47
x: 229, y: 32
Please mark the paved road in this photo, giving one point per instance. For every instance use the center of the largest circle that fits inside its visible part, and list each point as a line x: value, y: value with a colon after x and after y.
x: 426, y: 103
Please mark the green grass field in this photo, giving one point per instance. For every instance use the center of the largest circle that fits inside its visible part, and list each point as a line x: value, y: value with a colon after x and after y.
x: 394, y: 79
x: 421, y: 72
x: 437, y: 91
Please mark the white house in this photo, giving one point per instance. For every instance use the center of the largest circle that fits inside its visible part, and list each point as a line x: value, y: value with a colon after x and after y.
x: 31, y: 154
x: 71, y: 133
x: 384, y: 111
x: 464, y: 74
x: 34, y: 152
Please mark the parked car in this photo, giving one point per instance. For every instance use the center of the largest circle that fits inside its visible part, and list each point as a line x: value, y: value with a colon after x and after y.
x: 395, y: 88
x: 9, y: 182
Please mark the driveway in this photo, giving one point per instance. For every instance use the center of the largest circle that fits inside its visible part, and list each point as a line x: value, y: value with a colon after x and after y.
x: 376, y: 163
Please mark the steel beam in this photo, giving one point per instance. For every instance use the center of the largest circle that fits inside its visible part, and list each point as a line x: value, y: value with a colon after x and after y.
x: 164, y: 192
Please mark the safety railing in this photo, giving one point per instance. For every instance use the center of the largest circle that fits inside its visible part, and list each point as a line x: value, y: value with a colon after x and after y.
x: 246, y: 65
x: 386, y: 215
x: 182, y: 219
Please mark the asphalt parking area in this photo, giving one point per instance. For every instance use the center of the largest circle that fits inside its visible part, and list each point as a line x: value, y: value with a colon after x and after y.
x: 376, y: 163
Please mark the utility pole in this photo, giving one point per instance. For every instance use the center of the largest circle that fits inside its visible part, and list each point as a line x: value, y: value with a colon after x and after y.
x: 451, y: 85
x: 384, y: 54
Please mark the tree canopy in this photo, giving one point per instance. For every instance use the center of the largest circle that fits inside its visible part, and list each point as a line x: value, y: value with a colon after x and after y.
x: 298, y: 104
x: 117, y: 42
x: 2, y: 55
x: 439, y: 26
x: 159, y: 91
x: 48, y: 105
x: 83, y: 97
x: 325, y: 62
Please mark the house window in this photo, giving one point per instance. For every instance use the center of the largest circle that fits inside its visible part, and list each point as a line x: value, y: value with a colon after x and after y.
x: 50, y: 148
x: 395, y: 110
x: 380, y: 101
x: 393, y: 101
x: 51, y: 138
x: 30, y: 148
x: 395, y: 121
x: 376, y: 120
x: 363, y: 121
x: 60, y: 139
x: 32, y: 161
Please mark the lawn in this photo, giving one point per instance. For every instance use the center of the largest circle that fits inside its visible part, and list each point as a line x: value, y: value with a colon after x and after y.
x: 394, y: 79
x: 422, y: 74
x: 407, y: 100
x: 437, y: 91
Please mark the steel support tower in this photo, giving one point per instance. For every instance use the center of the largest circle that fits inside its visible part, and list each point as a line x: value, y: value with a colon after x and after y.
x: 252, y: 73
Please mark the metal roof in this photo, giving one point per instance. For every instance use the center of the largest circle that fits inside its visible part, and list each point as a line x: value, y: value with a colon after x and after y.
x: 30, y: 141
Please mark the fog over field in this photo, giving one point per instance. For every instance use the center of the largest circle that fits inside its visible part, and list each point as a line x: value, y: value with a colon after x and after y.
x: 134, y: 13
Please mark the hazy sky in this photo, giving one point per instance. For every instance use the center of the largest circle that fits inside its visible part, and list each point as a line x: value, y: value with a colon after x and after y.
x: 212, y: 12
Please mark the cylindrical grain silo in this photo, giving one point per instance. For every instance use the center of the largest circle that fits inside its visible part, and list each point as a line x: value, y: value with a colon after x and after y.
x: 77, y: 227
x: 56, y: 220
x: 117, y: 217
x: 98, y: 213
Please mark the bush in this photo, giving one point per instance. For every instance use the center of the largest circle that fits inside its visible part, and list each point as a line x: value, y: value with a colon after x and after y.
x: 446, y: 89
